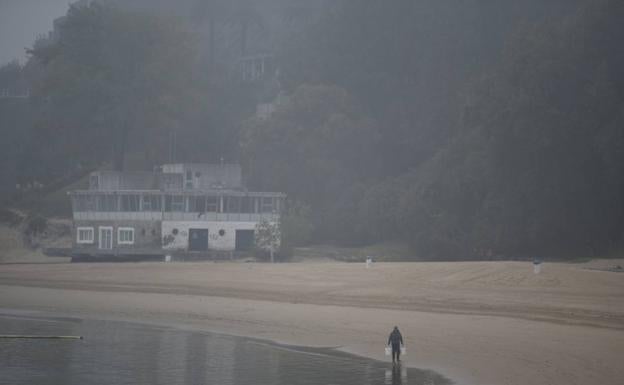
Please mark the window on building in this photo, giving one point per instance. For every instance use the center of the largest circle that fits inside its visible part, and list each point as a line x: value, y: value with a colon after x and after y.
x: 175, y: 203
x: 107, y: 203
x: 247, y: 205
x: 267, y: 205
x: 125, y: 235
x: 90, y: 203
x: 197, y: 204
x: 151, y: 203
x: 94, y: 182
x: 172, y: 182
x: 189, y: 180
x: 84, y: 235
x: 212, y: 204
x: 130, y: 202
x: 233, y: 204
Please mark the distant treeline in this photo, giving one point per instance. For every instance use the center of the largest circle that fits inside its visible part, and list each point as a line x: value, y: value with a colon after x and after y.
x: 469, y: 129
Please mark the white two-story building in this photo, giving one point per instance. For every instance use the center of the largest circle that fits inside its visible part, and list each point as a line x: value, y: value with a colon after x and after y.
x: 176, y: 209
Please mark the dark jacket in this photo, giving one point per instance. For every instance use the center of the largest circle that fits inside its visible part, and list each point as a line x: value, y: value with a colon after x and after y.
x: 395, y: 338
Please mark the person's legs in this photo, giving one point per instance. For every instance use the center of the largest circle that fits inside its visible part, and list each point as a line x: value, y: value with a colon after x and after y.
x: 396, y: 351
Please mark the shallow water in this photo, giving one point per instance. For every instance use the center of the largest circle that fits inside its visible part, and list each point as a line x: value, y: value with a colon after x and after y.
x: 129, y: 353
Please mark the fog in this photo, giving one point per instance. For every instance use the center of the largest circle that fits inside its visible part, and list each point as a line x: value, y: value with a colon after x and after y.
x: 423, y: 191
x: 453, y: 128
x: 21, y: 21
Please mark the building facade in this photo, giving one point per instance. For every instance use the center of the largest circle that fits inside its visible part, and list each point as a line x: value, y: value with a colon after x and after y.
x: 176, y: 209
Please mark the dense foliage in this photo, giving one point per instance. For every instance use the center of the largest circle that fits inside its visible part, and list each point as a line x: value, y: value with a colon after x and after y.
x: 464, y: 128
x: 506, y: 144
x: 318, y: 148
x: 110, y: 83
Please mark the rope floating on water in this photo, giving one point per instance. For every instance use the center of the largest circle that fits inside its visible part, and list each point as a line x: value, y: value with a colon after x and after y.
x: 42, y: 337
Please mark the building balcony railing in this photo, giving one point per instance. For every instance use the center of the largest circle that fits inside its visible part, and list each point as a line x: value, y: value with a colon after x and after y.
x: 173, y: 216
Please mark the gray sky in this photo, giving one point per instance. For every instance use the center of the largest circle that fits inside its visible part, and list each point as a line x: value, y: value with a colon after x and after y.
x: 21, y: 21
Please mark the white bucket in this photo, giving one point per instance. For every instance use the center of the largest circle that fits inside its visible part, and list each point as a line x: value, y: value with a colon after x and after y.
x: 167, y: 258
x: 388, y: 350
x: 537, y: 268
x: 369, y: 262
x: 403, y: 350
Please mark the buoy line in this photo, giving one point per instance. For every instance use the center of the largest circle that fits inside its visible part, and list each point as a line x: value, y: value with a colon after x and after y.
x: 42, y: 337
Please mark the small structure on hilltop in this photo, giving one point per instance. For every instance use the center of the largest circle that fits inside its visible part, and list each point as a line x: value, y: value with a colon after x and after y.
x: 189, y: 210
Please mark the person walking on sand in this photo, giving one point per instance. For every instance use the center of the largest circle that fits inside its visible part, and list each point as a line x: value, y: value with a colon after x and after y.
x: 396, y: 340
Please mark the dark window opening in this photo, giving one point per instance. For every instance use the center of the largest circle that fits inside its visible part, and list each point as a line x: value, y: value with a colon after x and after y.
x: 174, y: 203
x: 197, y: 204
x: 107, y: 203
x: 130, y: 203
x: 212, y: 204
x: 151, y: 203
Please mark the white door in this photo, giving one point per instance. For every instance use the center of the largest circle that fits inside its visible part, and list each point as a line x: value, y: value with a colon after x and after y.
x: 106, y: 238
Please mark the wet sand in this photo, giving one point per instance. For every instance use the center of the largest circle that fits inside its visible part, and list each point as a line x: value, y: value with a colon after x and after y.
x: 483, y: 323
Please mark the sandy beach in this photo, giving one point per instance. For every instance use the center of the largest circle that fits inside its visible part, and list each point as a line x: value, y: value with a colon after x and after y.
x: 484, y: 323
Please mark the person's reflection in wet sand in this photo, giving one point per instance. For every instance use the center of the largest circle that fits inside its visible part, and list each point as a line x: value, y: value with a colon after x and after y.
x: 396, y: 376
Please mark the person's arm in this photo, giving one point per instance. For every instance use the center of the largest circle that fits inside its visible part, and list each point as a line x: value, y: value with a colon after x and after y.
x: 389, y: 338
x: 401, y: 338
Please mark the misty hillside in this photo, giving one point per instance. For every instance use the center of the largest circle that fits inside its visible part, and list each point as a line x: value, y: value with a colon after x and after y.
x: 467, y: 129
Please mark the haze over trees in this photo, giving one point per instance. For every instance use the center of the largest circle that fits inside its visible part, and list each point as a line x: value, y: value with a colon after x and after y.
x: 109, y: 74
x: 465, y: 128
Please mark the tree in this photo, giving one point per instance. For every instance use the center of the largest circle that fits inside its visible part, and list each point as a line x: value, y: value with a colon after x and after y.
x: 296, y: 225
x: 407, y: 63
x: 112, y: 73
x: 215, y: 13
x: 318, y: 148
x: 532, y: 170
x: 500, y: 137
x: 268, y: 237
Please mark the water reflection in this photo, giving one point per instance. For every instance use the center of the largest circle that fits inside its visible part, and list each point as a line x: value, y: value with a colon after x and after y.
x: 126, y: 353
x: 398, y: 376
